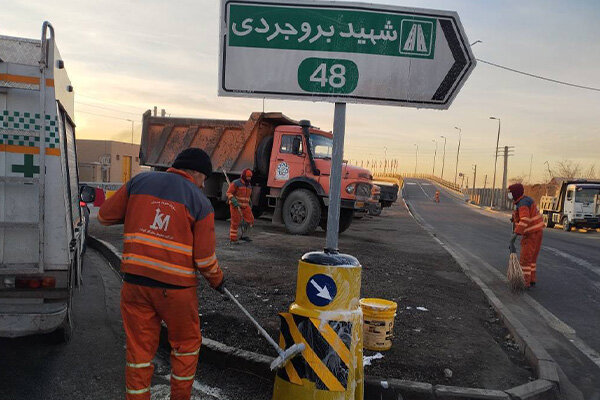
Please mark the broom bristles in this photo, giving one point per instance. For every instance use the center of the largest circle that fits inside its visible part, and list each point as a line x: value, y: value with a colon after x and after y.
x: 514, y: 274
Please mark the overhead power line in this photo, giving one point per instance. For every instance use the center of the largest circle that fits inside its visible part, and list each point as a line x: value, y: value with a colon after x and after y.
x: 106, y: 116
x: 107, y: 108
x: 538, y: 76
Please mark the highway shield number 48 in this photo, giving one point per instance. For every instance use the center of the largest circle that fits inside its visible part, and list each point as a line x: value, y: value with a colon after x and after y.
x: 326, y: 75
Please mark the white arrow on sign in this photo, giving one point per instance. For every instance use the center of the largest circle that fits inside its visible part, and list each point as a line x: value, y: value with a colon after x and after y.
x: 323, y: 291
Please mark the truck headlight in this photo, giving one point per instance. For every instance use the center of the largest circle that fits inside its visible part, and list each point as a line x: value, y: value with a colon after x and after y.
x: 350, y: 188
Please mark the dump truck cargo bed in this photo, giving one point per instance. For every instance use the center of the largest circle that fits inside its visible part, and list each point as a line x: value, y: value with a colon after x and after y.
x: 231, y: 144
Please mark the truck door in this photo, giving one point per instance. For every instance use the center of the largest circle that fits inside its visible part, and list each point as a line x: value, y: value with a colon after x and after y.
x: 287, y: 160
x: 569, y: 203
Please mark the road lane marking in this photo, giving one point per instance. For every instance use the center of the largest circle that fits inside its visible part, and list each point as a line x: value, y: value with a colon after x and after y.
x: 424, y: 191
x: 409, y: 183
x: 579, y: 261
x: 459, y: 254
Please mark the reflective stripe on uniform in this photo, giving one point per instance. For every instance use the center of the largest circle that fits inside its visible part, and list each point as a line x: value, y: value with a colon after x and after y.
x: 157, y: 242
x: 137, y: 391
x: 205, y: 261
x: 182, y: 378
x: 138, y: 365
x: 193, y: 353
x: 540, y: 225
x: 157, y: 264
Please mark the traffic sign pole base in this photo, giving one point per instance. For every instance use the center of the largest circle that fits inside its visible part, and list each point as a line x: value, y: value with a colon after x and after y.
x: 326, y: 318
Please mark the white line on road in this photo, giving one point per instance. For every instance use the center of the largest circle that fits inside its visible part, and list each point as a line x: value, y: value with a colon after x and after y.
x: 424, y: 191
x: 409, y: 183
x: 552, y: 320
x: 579, y: 261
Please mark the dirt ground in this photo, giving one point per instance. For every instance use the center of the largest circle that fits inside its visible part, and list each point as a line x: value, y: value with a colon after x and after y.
x: 401, y: 262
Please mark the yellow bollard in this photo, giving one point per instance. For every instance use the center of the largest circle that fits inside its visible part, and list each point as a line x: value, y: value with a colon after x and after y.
x: 327, y: 318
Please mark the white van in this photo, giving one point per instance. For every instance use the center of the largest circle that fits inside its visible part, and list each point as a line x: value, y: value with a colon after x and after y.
x: 41, y: 235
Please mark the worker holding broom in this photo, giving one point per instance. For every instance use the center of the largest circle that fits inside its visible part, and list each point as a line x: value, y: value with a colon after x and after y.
x: 238, y: 195
x: 528, y: 223
x: 169, y: 237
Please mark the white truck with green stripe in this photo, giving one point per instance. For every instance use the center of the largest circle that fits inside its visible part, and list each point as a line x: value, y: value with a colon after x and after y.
x: 41, y: 233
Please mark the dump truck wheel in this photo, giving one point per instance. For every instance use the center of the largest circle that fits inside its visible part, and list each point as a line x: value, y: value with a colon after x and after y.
x: 221, y: 211
x: 566, y: 225
x: 375, y: 210
x: 263, y: 155
x: 346, y: 217
x: 548, y: 221
x: 301, y: 212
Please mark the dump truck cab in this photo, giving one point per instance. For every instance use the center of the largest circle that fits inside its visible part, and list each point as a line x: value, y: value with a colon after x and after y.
x: 300, y: 164
x: 577, y: 205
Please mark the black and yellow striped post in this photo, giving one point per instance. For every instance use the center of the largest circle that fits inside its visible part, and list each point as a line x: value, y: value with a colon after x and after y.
x: 326, y: 317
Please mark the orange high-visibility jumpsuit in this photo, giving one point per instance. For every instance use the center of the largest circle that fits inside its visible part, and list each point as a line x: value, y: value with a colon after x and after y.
x: 437, y: 196
x: 241, y: 191
x: 168, y: 237
x: 528, y: 222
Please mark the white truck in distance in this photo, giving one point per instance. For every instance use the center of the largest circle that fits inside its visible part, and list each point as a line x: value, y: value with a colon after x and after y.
x: 576, y: 205
x: 41, y: 226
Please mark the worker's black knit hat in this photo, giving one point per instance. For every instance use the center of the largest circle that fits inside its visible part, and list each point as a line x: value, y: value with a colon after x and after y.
x: 195, y: 159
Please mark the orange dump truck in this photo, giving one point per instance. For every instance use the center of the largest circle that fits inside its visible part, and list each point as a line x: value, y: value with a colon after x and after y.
x: 291, y: 162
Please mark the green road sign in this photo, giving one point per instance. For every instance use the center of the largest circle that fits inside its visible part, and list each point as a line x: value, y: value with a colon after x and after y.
x: 342, y: 52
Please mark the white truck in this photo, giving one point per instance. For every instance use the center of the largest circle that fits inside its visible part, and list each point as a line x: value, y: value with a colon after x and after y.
x: 41, y: 235
x: 576, y: 205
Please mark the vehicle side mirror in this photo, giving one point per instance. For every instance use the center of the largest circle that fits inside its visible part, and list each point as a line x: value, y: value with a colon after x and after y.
x: 296, y: 144
x: 87, y: 194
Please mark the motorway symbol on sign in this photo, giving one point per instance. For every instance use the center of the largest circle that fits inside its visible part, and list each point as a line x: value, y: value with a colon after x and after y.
x: 342, y: 52
x: 321, y: 290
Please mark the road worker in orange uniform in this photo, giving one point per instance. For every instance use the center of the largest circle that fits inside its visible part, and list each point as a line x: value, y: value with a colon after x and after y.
x: 169, y: 237
x: 437, y: 196
x: 238, y: 195
x: 528, y: 223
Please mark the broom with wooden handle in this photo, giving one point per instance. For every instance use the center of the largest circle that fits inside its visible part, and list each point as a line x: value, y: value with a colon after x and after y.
x: 514, y: 274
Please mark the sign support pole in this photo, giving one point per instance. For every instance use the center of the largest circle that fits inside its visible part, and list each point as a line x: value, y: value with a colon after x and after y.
x: 335, y: 179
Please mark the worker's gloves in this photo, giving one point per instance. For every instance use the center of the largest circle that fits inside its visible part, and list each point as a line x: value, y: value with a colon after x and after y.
x: 234, y: 202
x: 221, y: 287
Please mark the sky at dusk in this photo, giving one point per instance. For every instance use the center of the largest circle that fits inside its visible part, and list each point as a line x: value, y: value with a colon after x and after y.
x: 125, y: 57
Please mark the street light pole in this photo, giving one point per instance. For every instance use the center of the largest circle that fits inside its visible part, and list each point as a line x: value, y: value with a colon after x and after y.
x: 434, y: 155
x: 384, y: 160
x: 416, y: 157
x: 457, y: 153
x: 130, y: 120
x: 443, y: 157
x: 495, y: 162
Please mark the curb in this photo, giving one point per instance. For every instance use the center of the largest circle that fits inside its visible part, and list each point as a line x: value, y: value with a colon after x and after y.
x: 544, y: 388
x: 547, y: 385
x: 213, y: 352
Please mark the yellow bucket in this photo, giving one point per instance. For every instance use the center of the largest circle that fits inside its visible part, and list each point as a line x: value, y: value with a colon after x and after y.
x: 378, y: 323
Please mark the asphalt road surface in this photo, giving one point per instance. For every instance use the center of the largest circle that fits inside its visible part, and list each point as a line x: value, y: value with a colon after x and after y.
x: 92, y: 365
x: 562, y: 311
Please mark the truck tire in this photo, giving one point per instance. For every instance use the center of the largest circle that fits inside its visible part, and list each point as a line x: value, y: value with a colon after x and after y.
x: 548, y: 220
x: 566, y: 225
x: 221, y: 211
x: 263, y: 156
x: 301, y: 212
x: 346, y: 217
x: 375, y: 209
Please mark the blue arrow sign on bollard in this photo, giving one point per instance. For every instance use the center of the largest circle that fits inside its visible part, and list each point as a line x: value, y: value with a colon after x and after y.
x: 321, y: 290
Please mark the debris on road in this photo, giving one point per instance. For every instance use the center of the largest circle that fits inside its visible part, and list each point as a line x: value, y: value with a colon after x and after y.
x: 367, y: 359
